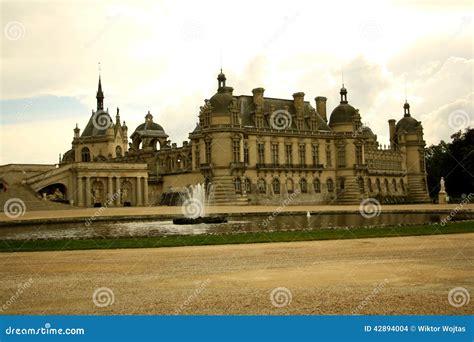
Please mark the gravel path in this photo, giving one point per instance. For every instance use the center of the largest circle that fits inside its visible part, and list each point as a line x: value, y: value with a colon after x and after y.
x: 407, y: 275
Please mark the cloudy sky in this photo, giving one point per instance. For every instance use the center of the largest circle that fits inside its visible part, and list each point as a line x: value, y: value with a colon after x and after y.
x: 164, y: 56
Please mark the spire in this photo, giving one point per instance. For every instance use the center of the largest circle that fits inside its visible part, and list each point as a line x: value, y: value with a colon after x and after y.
x: 406, y: 109
x: 221, y: 81
x: 100, y: 96
x: 343, y: 93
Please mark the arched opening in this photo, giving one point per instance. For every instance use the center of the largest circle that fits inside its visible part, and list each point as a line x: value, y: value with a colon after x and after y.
x: 330, y: 185
x: 238, y: 185
x: 248, y: 185
x: 98, y: 193
x: 402, y: 185
x: 394, y: 185
x: 317, y: 185
x: 55, y: 192
x: 262, y: 186
x: 290, y: 185
x: 369, y: 183
x: 276, y: 186
x: 303, y: 185
x: 118, y: 152
x: 379, y: 187
x: 85, y: 154
x: 387, y: 187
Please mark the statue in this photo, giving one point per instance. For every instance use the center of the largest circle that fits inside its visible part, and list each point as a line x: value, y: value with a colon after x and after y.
x: 442, y: 196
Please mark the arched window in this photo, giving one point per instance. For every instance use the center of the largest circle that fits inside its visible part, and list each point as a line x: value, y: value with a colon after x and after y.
x: 85, y: 155
x: 330, y: 185
x: 394, y: 184
x: 379, y: 187
x: 248, y: 185
x: 317, y: 185
x: 361, y: 184
x: 369, y: 183
x: 402, y: 185
x: 118, y: 151
x: 276, y: 186
x: 290, y: 185
x: 238, y: 185
x: 262, y: 186
x: 387, y: 188
x: 303, y: 185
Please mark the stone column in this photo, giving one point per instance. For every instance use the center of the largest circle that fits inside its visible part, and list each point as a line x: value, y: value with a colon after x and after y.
x: 88, y: 192
x: 118, y: 191
x: 139, y: 192
x: 80, y: 192
x: 110, y: 191
x: 145, y: 191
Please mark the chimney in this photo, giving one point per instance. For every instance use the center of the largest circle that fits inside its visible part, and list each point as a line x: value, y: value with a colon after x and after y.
x: 258, y: 98
x: 391, y: 128
x: 298, y: 101
x: 321, y: 107
x: 77, y: 132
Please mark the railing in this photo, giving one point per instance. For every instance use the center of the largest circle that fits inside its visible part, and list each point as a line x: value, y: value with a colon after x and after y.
x: 289, y: 166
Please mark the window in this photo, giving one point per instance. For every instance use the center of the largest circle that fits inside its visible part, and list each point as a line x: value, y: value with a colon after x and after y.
x: 246, y: 153
x: 238, y: 185
x: 197, y: 157
x: 208, y: 152
x: 302, y: 152
x: 248, y: 185
x: 314, y: 125
x: 259, y: 122
x: 387, y: 189
x: 261, y: 153
x: 275, y: 154
x: 303, y: 185
x: 288, y: 154
x: 235, y: 117
x: 290, y: 187
x: 300, y: 124
x: 328, y: 156
x: 369, y: 183
x: 262, y: 186
x: 341, y: 155
x: 379, y: 187
x: 359, y: 154
x: 85, y: 155
x: 276, y: 186
x: 330, y: 185
x: 342, y: 183
x: 315, y: 154
x: 402, y: 185
x: 360, y: 182
x: 317, y: 186
x: 394, y: 184
x: 118, y: 151
x: 236, y: 150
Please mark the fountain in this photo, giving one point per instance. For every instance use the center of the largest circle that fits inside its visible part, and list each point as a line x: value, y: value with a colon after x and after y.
x: 194, y: 207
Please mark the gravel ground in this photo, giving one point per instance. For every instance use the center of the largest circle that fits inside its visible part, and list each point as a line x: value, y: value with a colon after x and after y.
x: 406, y: 275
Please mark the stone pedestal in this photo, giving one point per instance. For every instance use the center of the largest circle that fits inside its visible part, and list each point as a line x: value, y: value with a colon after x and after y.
x: 442, y: 197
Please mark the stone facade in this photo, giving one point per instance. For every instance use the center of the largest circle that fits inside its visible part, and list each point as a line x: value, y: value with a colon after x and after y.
x: 247, y: 150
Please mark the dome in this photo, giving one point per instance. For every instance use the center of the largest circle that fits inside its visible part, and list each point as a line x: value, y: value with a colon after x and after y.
x: 149, y: 127
x: 407, y: 124
x: 221, y: 100
x: 342, y: 114
x: 366, y: 130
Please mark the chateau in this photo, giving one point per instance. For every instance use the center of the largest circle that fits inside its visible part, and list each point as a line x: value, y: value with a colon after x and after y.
x: 246, y: 149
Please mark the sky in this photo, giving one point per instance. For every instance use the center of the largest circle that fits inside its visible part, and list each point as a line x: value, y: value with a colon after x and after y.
x: 164, y: 57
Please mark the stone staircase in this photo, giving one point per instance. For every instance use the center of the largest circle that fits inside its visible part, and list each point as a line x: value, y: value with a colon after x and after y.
x: 417, y: 191
x: 350, y: 194
x: 223, y: 192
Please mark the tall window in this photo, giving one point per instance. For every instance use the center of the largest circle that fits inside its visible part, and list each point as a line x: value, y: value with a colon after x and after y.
x: 85, y: 155
x: 341, y: 155
x: 369, y: 183
x: 247, y: 185
x: 290, y: 186
x: 288, y: 154
x: 402, y: 185
x: 246, y: 153
x: 315, y: 154
x: 387, y: 189
x: 317, y: 185
x: 328, y: 156
x: 238, y: 185
x: 197, y: 157
x: 275, y: 154
x: 302, y: 153
x: 261, y: 153
x: 262, y: 186
x: 303, y: 185
x: 359, y: 154
x: 379, y: 188
x: 394, y: 184
x: 236, y: 150
x: 330, y: 185
x: 276, y: 186
x: 118, y: 151
x: 208, y: 152
x: 235, y: 117
x: 360, y: 181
